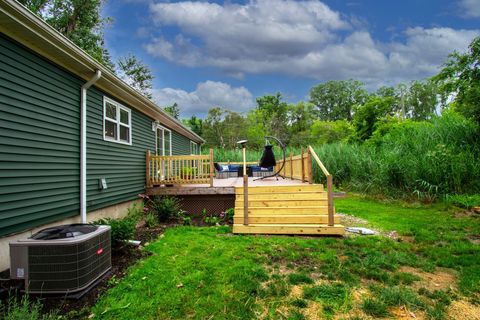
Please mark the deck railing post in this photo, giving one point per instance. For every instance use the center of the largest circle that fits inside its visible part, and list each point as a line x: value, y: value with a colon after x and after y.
x: 303, y: 166
x: 147, y: 169
x: 331, y: 221
x: 309, y: 166
x: 245, y: 187
x: 291, y: 165
x: 211, y: 167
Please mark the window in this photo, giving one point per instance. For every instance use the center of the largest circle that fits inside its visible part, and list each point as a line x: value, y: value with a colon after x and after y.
x: 163, y: 141
x: 117, y: 122
x: 193, y: 148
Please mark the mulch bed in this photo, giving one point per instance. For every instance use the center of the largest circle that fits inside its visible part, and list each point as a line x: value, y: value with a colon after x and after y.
x: 122, y: 258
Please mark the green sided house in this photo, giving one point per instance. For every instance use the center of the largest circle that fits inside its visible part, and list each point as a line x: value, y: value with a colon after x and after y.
x: 73, y: 136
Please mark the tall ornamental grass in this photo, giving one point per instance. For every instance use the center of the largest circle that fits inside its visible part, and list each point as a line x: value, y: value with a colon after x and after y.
x: 412, y: 159
x: 424, y: 159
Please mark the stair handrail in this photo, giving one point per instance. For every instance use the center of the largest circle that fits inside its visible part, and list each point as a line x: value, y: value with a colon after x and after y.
x: 329, y: 185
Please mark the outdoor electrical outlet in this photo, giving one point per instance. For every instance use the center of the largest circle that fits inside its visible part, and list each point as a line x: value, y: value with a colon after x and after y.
x: 102, y: 184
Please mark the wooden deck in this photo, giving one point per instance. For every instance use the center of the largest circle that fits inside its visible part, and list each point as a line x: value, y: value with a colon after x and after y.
x: 221, y: 186
x: 270, y: 206
x: 280, y: 206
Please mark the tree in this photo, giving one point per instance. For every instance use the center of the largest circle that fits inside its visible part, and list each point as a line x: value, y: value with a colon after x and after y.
x: 136, y: 74
x: 173, y: 110
x: 299, y: 121
x: 367, y: 116
x: 330, y: 131
x: 213, y: 128
x: 335, y: 100
x: 195, y: 124
x: 78, y: 20
x: 273, y: 112
x: 421, y: 100
x: 460, y: 78
x: 223, y: 128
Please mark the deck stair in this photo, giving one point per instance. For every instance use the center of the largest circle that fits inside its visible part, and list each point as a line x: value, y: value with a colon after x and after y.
x: 298, y: 209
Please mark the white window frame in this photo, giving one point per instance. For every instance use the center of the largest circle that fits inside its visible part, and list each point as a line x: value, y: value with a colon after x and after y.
x: 117, y: 122
x: 163, y: 129
x: 192, y: 143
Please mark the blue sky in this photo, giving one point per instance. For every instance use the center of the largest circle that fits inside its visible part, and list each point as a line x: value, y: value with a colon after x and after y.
x: 227, y: 53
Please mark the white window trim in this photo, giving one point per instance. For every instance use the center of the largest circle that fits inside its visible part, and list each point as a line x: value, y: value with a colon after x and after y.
x: 163, y: 129
x: 118, y: 123
x: 192, y: 143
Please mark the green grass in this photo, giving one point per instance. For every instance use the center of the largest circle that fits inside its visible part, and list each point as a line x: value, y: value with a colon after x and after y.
x: 206, y: 273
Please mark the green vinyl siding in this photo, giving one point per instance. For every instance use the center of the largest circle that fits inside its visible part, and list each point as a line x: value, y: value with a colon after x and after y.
x: 180, y: 144
x: 39, y: 140
x: 40, y: 147
x: 123, y: 166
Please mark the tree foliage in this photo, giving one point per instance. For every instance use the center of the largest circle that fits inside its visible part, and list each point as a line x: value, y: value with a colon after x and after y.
x: 195, y: 124
x: 78, y: 20
x: 368, y: 115
x: 173, y: 110
x: 460, y: 78
x: 134, y: 72
x: 335, y: 100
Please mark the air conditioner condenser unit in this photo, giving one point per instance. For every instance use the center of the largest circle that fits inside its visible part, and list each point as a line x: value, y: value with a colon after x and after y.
x: 62, y: 259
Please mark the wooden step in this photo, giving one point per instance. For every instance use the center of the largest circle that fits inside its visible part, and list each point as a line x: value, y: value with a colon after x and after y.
x: 284, y: 210
x: 282, y: 203
x: 282, y: 189
x: 308, y: 229
x: 285, y: 219
x: 284, y: 196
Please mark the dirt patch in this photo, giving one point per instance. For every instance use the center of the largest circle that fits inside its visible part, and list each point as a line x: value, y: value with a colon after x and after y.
x: 442, y: 279
x: 313, y: 311
x: 462, y: 309
x: 408, y: 239
x: 351, y: 221
x: 402, y: 313
x: 475, y: 239
x: 296, y: 292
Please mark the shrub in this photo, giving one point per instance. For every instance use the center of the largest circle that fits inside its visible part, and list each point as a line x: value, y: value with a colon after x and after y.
x: 229, y: 214
x: 150, y: 220
x: 163, y: 207
x: 121, y: 229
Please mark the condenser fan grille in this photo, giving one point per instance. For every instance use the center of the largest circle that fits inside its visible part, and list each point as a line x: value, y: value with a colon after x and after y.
x: 67, y: 267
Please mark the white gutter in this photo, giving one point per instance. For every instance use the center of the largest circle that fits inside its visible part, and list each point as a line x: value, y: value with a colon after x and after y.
x: 83, y: 145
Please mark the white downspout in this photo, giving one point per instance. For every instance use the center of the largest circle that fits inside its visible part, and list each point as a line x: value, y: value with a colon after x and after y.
x: 83, y: 145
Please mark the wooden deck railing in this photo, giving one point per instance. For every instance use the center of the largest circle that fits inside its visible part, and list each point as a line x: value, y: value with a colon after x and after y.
x: 189, y: 169
x: 300, y: 168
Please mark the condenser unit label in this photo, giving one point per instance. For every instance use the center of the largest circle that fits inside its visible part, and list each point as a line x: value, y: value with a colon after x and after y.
x: 20, y: 273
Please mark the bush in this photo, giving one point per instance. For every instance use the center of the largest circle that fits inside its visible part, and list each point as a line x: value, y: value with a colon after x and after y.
x: 229, y: 214
x: 163, y: 207
x: 121, y: 229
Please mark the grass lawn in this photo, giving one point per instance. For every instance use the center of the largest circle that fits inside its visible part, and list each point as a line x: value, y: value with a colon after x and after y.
x: 431, y: 271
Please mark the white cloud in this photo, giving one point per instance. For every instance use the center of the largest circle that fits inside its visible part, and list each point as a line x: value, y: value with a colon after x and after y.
x: 470, y: 8
x: 206, y: 95
x: 300, y: 38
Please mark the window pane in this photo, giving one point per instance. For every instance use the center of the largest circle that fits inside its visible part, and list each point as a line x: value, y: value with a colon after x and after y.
x: 111, y: 111
x: 167, y: 142
x: 124, y: 133
x: 124, y: 116
x: 159, y: 142
x: 110, y: 129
